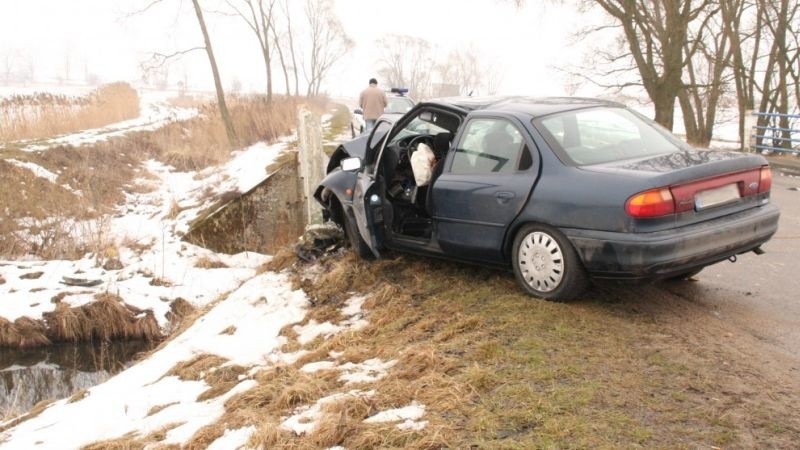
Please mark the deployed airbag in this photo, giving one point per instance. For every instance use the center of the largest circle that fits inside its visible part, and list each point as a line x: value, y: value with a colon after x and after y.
x: 422, y: 161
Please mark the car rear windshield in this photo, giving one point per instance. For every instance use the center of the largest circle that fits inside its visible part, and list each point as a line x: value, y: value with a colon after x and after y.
x: 602, y: 135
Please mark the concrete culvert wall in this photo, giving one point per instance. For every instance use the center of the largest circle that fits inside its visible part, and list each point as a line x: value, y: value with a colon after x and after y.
x: 264, y: 219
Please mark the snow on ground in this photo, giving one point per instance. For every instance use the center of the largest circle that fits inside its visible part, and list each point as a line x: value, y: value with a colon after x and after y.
x: 166, y: 268
x: 243, y: 328
x: 258, y: 310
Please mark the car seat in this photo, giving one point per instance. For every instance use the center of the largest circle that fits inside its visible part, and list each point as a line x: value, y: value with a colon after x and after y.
x: 499, y: 146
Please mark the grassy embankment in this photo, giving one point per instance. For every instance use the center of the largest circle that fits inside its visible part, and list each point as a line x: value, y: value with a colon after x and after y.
x: 498, y: 369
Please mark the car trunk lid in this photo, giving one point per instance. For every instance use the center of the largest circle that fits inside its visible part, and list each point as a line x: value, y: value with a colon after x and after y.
x: 704, y: 184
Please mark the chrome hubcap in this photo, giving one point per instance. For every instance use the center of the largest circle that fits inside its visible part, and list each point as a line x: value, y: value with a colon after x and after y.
x: 541, y: 261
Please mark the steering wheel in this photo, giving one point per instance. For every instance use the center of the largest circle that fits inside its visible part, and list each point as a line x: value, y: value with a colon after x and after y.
x: 414, y: 143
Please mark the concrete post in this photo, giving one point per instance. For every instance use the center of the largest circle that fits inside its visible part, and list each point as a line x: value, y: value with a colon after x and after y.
x: 750, y: 121
x: 311, y: 161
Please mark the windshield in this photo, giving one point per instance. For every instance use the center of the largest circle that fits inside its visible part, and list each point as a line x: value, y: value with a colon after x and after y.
x: 398, y: 105
x: 417, y: 127
x: 601, y: 135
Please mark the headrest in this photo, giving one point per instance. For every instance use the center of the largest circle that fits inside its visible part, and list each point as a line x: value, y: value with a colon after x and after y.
x: 441, y: 143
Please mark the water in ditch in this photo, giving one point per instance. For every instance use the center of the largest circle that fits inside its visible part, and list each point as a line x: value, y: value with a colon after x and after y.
x: 59, y: 371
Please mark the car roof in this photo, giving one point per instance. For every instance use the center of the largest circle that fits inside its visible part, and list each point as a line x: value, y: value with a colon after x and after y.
x: 532, y: 106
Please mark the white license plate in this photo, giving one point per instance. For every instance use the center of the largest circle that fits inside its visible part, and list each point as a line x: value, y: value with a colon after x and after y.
x: 715, y: 197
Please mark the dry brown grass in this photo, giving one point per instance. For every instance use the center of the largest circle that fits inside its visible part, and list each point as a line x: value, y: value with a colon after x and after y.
x: 132, y: 441
x: 197, y: 368
x: 78, y: 396
x: 158, y: 408
x: 22, y: 333
x: 44, y: 115
x: 210, y: 368
x: 208, y: 262
x: 107, y: 318
x: 179, y: 309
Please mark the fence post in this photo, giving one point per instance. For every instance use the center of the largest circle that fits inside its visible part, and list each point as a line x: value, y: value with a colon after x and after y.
x: 750, y: 121
x: 311, y: 161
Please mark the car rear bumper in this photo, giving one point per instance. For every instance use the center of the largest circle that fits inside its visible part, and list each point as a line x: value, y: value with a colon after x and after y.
x: 671, y: 252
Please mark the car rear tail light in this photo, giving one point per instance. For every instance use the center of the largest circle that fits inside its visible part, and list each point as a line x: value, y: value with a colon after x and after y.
x: 654, y: 203
x: 765, y: 180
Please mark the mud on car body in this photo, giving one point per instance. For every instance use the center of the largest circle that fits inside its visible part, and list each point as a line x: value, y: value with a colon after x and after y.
x: 560, y: 190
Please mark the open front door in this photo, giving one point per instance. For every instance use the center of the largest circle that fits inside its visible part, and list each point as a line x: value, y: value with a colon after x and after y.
x: 368, y: 211
x: 367, y: 202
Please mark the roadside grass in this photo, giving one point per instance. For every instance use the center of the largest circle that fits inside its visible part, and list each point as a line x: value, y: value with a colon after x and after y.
x: 493, y: 367
x: 498, y: 369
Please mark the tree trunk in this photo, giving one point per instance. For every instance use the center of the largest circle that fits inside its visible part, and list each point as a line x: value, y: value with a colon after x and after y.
x: 223, y: 108
x: 265, y: 17
x: 281, y: 58
x: 292, y: 50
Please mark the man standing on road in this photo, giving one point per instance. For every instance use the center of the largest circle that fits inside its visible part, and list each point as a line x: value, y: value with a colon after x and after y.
x: 372, y: 101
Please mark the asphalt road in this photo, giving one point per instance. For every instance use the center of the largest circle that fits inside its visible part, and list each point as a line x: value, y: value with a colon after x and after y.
x: 760, y: 294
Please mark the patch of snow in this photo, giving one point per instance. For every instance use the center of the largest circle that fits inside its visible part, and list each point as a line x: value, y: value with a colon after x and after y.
x: 309, y: 332
x: 317, y: 366
x: 37, y: 170
x: 368, y: 371
x: 306, y: 418
x: 232, y: 439
x: 408, y: 416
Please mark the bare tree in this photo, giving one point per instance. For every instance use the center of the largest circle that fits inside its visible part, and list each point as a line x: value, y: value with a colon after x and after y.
x: 328, y: 42
x: 258, y: 16
x: 158, y: 62
x: 656, y: 32
x: 223, y: 107
x: 284, y: 38
x: 407, y: 61
x: 708, y: 53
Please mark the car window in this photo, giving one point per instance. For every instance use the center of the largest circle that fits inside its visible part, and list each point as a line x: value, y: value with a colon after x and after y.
x: 600, y: 135
x: 398, y: 105
x: 488, y: 146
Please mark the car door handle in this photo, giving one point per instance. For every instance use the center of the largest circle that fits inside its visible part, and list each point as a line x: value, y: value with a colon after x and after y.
x: 503, y: 197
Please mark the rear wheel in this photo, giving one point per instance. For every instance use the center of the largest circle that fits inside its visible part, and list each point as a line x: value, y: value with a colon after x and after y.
x: 546, y: 265
x: 354, y: 237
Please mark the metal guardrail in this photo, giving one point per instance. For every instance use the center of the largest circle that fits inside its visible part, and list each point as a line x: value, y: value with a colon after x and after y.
x: 782, y: 139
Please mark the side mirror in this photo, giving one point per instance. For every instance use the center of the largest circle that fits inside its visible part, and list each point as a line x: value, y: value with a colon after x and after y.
x: 358, y: 111
x: 350, y: 164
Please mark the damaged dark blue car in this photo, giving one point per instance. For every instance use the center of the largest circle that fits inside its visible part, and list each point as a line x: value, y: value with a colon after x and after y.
x: 560, y: 190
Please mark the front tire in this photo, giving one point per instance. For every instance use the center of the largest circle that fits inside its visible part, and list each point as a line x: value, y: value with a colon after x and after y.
x: 546, y: 265
x: 354, y: 237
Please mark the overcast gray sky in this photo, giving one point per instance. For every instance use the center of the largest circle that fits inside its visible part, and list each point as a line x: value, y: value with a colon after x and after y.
x: 98, y: 37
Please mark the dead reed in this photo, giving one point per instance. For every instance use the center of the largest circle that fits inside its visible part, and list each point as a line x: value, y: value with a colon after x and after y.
x: 107, y: 318
x: 43, y: 115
